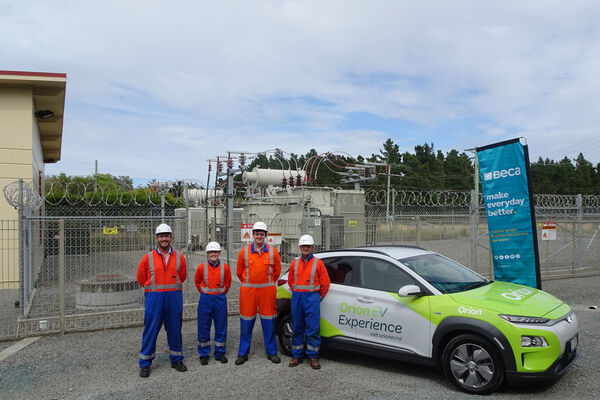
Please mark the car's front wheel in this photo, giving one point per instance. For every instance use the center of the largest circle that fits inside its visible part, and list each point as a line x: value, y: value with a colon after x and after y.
x: 473, y: 364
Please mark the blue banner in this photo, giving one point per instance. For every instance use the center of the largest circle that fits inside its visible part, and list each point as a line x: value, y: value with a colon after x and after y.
x: 504, y: 171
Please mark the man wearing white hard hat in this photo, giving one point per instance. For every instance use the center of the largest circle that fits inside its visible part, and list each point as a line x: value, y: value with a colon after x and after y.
x: 161, y: 272
x: 213, y: 280
x: 309, y: 282
x: 258, y: 267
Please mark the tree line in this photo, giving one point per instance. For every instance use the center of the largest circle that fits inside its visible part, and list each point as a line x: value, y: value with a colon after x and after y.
x: 425, y: 168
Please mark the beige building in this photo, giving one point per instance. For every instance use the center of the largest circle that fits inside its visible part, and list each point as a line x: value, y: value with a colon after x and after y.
x: 31, y: 123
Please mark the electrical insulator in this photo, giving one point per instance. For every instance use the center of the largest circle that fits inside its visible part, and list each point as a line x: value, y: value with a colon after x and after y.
x: 209, y: 166
x: 229, y: 163
x: 298, y: 180
x: 242, y: 159
x: 284, y: 183
x: 219, y: 167
x: 291, y: 183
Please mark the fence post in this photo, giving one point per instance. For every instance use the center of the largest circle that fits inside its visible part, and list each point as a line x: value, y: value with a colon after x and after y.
x: 418, y: 230
x: 61, y: 275
x: 21, y: 252
x: 188, y: 220
x: 327, y: 231
x: 573, y: 244
x: 580, y: 230
x: 474, y: 216
x: 162, y: 207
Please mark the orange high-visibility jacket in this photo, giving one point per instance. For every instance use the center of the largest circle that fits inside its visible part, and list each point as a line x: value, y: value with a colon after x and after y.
x: 213, y: 280
x: 258, y: 270
x: 309, y: 276
x: 162, y: 277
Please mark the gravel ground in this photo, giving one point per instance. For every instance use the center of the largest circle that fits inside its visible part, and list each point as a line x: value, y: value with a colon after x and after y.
x: 103, y: 365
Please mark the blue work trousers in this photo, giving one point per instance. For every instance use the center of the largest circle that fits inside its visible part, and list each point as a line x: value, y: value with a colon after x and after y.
x: 162, y: 308
x: 306, y: 319
x: 212, y: 307
x: 268, y: 328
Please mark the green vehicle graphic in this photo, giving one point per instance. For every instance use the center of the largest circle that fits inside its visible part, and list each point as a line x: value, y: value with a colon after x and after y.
x: 411, y: 304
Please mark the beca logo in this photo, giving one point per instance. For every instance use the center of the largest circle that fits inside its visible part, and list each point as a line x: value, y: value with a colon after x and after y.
x: 502, y: 173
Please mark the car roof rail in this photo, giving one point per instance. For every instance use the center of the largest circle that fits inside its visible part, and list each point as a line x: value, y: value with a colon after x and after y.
x: 369, y: 249
x: 407, y: 246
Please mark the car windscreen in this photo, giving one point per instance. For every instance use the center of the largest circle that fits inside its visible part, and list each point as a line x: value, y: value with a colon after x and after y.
x: 445, y: 275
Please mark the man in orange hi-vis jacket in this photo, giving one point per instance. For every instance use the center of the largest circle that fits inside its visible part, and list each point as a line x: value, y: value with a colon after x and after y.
x: 161, y: 272
x: 258, y: 268
x: 309, y: 282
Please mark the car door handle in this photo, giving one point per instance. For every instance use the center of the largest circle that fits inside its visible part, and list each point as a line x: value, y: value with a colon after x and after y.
x: 364, y: 300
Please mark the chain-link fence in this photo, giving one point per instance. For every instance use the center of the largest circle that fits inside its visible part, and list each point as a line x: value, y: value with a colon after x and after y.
x: 77, y: 272
x: 81, y: 275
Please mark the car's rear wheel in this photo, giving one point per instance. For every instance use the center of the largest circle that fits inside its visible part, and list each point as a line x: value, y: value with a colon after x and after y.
x: 473, y: 364
x: 284, y: 334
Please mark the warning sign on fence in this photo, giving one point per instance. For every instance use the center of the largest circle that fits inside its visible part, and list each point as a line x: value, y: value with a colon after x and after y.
x: 246, y: 232
x: 110, y: 230
x: 549, y: 230
x: 274, y: 239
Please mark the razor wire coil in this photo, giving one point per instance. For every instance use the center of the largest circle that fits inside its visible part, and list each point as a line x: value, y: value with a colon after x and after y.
x: 23, y: 193
x: 114, y: 195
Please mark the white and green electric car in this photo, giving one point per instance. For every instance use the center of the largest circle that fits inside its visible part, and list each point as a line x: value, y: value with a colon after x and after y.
x: 409, y: 303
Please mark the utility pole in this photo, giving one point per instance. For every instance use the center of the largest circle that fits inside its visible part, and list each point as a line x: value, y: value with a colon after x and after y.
x: 95, y: 175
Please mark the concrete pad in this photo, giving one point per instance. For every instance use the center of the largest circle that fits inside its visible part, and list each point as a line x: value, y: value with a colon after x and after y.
x: 17, y: 346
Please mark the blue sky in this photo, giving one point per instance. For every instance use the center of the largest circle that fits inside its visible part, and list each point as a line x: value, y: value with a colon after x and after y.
x: 154, y: 91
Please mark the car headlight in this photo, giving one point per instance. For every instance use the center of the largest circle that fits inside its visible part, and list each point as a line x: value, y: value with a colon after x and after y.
x: 520, y: 319
x: 533, y: 341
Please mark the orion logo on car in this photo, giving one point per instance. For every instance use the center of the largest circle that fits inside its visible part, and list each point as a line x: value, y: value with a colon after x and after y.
x: 469, y: 310
x: 518, y: 294
x: 371, y: 324
x: 375, y: 311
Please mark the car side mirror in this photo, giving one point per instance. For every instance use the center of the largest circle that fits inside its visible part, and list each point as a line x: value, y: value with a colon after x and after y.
x: 409, y: 290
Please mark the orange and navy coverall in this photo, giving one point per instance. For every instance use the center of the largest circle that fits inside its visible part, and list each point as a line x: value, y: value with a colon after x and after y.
x: 213, y: 283
x: 258, y: 272
x: 309, y: 282
x: 163, y: 302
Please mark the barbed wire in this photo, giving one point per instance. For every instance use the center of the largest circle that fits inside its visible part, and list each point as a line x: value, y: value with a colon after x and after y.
x: 17, y: 194
x: 423, y: 198
x: 75, y: 193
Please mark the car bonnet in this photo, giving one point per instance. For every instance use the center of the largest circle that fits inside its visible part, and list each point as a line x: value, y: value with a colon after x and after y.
x: 509, y: 298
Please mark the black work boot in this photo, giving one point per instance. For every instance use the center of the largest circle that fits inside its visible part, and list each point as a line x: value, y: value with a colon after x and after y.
x: 144, y: 372
x: 241, y: 359
x: 179, y: 366
x: 274, y: 358
x: 222, y: 359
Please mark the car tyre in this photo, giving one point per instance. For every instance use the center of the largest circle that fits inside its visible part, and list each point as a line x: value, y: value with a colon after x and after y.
x: 473, y: 364
x: 284, y: 333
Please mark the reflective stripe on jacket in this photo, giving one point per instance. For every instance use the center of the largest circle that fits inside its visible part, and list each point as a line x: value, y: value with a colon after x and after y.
x: 156, y: 276
x: 258, y: 270
x: 309, y: 276
x: 213, y: 279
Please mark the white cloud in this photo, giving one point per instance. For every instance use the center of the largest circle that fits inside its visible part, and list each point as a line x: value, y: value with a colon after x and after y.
x: 189, y: 80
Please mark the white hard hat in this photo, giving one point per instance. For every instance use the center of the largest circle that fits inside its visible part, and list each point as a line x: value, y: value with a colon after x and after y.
x: 306, y: 240
x: 213, y: 246
x: 259, y: 226
x: 163, y: 228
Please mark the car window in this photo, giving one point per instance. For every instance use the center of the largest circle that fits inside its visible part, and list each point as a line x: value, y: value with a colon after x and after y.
x: 444, y: 274
x: 382, y: 275
x: 340, y: 269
